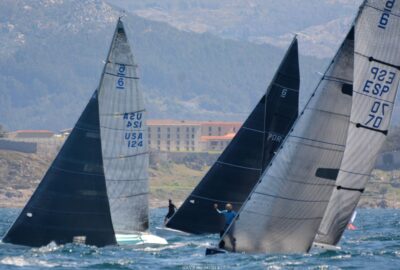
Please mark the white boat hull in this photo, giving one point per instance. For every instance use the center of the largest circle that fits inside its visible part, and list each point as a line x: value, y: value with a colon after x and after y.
x: 140, y: 238
x: 165, y: 232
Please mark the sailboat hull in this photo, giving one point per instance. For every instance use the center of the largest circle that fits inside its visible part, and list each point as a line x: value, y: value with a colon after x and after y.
x: 140, y: 238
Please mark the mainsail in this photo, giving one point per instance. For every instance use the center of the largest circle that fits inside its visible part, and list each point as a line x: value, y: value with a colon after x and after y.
x: 376, y: 78
x: 124, y: 138
x: 283, y: 212
x: 240, y: 166
x: 71, y: 201
x: 97, y: 185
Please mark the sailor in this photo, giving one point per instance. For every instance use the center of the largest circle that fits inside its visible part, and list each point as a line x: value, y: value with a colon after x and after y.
x: 229, y: 215
x: 171, y: 211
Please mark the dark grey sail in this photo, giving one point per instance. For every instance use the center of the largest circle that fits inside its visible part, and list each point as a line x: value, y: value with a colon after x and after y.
x: 70, y: 204
x: 240, y: 166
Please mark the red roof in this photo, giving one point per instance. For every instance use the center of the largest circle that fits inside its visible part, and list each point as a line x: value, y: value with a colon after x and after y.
x: 225, y: 137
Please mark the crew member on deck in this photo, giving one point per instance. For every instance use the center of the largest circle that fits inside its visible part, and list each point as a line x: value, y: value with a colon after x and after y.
x: 229, y: 215
x: 171, y: 211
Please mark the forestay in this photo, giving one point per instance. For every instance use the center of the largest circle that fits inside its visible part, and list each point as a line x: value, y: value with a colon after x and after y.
x: 376, y: 78
x: 285, y: 208
x: 240, y: 166
x: 123, y: 138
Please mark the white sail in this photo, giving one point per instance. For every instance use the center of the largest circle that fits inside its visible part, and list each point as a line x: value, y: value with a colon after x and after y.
x: 376, y: 78
x: 123, y: 138
x: 285, y: 209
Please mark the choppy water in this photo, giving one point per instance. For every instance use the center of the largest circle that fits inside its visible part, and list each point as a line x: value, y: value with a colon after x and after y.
x: 375, y: 245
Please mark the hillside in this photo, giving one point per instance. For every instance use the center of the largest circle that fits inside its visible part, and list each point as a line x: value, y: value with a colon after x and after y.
x: 52, y: 56
x: 173, y: 178
x: 320, y: 23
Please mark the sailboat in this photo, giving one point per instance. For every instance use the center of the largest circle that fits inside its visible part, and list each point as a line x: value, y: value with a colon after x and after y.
x: 376, y: 79
x: 239, y: 167
x: 96, y: 190
x: 332, y: 145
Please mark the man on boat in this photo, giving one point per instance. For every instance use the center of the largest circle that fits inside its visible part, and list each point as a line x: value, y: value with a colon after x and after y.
x: 171, y: 211
x: 229, y: 215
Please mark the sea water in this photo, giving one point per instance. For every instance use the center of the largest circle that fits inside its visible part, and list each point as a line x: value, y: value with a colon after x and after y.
x: 374, y: 245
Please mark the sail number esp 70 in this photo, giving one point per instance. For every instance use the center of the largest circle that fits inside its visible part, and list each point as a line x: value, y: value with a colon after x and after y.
x: 378, y: 85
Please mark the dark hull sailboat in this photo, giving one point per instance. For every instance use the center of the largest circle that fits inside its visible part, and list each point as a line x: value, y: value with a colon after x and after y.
x: 96, y: 190
x: 240, y: 166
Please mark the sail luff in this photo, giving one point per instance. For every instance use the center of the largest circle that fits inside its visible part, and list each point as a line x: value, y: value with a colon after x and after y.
x: 238, y: 168
x: 376, y: 79
x: 284, y: 210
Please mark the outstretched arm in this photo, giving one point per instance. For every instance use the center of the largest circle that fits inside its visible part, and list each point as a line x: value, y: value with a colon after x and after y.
x: 216, y: 208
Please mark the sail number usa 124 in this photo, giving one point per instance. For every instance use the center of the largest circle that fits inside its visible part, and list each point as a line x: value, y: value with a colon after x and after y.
x: 133, y: 129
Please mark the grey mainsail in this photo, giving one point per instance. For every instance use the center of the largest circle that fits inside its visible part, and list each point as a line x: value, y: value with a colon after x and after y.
x: 123, y: 137
x: 283, y: 212
x: 239, y: 167
x: 376, y: 78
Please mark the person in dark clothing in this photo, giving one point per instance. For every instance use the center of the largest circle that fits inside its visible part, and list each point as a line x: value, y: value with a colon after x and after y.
x: 229, y: 216
x: 171, y: 211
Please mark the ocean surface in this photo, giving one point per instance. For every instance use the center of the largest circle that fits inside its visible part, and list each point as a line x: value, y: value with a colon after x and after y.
x: 374, y: 245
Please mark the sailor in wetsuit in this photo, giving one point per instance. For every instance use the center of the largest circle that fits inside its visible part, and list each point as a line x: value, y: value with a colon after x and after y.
x: 171, y: 211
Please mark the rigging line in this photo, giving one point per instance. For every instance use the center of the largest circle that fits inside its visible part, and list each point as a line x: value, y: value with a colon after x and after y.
x: 328, y: 112
x: 127, y: 180
x: 213, y: 200
x: 120, y: 113
x: 383, y: 10
x: 127, y: 156
x: 319, y: 147
x: 313, y: 140
x: 96, y: 130
x: 237, y: 166
x: 289, y: 199
x: 120, y: 76
x: 380, y: 99
x: 337, y: 79
x: 301, y: 182
x: 291, y: 218
x: 372, y: 59
x: 66, y: 212
x: 284, y: 87
x: 129, y: 196
x: 76, y: 172
x: 363, y: 174
x: 123, y: 129
x: 127, y: 65
x: 252, y: 129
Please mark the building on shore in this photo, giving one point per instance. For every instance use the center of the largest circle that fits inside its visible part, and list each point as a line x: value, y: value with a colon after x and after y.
x: 190, y: 136
x: 163, y: 135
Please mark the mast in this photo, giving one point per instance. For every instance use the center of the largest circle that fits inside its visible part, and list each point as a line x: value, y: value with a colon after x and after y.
x: 241, y: 164
x: 376, y: 79
x: 284, y: 210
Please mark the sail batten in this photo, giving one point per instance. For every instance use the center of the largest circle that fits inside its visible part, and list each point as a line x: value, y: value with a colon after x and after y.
x: 240, y: 166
